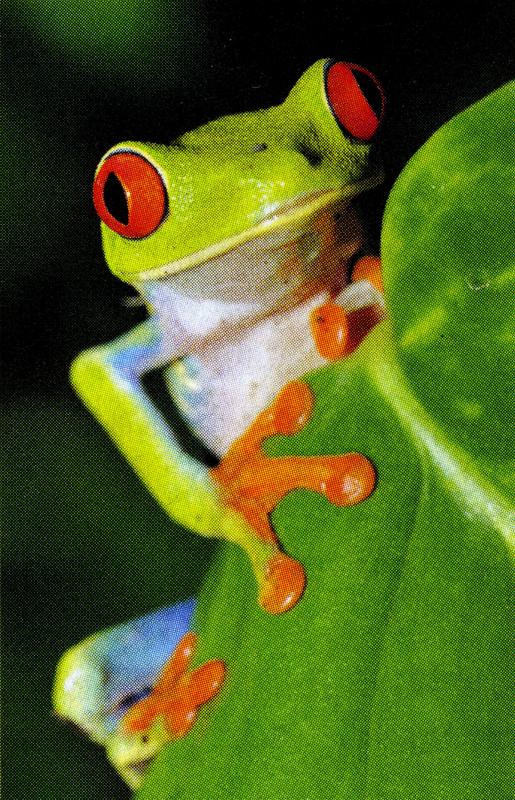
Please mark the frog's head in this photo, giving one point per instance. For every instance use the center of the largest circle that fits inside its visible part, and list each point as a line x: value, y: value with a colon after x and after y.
x: 267, y: 181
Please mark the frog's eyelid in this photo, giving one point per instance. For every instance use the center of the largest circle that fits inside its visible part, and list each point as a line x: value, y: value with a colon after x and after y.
x: 260, y: 148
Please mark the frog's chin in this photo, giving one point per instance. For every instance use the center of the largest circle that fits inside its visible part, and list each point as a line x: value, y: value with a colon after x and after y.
x: 292, y: 214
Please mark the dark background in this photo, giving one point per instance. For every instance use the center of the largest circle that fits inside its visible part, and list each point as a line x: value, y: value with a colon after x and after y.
x: 85, y: 546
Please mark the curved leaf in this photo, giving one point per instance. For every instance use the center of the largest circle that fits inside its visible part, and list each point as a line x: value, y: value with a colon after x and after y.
x: 390, y: 680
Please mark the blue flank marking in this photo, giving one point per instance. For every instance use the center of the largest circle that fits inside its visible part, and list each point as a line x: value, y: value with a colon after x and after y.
x: 133, y: 357
x: 133, y: 654
x: 128, y: 360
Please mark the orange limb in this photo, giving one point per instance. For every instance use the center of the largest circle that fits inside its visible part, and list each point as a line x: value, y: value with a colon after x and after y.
x: 253, y: 484
x: 336, y: 332
x: 177, y: 693
x: 368, y: 268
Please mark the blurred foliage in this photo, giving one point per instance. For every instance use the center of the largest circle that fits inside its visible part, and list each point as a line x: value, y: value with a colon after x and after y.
x: 122, y: 38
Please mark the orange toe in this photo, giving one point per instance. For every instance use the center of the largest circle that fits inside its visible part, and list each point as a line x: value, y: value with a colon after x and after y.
x: 353, y: 480
x: 369, y: 268
x: 205, y: 682
x: 330, y: 331
x: 292, y: 408
x: 180, y: 720
x: 285, y: 584
x: 178, y: 663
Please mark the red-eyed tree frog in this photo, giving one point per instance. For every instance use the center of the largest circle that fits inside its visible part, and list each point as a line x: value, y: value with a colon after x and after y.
x: 242, y: 239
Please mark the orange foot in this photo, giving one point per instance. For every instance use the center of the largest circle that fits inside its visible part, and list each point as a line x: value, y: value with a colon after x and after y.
x: 253, y: 484
x: 336, y: 332
x: 177, y: 693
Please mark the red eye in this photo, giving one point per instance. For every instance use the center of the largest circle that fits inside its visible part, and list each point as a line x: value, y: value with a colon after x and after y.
x: 129, y: 195
x: 356, y: 98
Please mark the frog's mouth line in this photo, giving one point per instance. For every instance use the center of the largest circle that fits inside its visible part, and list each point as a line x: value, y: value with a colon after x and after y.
x: 286, y: 215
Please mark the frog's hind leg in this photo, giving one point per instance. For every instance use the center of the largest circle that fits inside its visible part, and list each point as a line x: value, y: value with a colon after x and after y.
x: 101, y: 677
x: 254, y: 484
x: 130, y: 688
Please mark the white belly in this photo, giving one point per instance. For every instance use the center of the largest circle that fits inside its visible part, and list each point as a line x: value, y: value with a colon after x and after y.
x: 221, y: 389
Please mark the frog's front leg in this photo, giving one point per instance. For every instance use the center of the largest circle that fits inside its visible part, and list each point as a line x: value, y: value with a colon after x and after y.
x: 254, y: 484
x: 108, y: 380
x: 129, y: 688
x: 339, y: 325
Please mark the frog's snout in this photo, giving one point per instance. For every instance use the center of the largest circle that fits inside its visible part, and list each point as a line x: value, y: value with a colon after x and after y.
x: 356, y: 98
x: 129, y: 194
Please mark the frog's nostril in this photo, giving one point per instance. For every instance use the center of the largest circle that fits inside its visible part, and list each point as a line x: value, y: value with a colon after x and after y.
x: 356, y: 99
x: 129, y: 194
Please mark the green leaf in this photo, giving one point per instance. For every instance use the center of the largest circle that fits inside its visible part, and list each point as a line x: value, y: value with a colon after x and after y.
x: 390, y: 680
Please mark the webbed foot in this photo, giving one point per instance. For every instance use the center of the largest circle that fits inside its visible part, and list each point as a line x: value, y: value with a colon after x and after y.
x: 177, y: 693
x: 253, y: 484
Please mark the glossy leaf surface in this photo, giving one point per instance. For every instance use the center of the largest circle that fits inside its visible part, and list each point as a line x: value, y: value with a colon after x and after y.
x: 390, y: 680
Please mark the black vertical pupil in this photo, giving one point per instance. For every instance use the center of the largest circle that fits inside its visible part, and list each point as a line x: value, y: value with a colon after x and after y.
x: 115, y: 199
x: 370, y: 91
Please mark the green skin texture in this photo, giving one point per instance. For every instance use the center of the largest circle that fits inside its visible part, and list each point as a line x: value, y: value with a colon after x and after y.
x: 391, y: 679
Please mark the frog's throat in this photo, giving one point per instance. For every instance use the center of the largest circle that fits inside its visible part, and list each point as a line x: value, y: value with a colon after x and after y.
x: 287, y: 215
